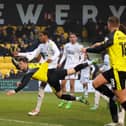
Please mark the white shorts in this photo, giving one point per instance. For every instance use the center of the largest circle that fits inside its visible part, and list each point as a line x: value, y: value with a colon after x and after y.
x: 84, y: 80
x: 73, y: 76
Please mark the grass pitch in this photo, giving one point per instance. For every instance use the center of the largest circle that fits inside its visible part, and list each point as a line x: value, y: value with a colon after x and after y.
x: 13, y: 111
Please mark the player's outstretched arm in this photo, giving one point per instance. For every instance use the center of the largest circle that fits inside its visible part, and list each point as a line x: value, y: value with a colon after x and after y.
x: 22, y: 84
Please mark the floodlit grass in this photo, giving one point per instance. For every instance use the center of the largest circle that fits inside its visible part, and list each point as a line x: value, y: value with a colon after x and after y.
x: 13, y: 112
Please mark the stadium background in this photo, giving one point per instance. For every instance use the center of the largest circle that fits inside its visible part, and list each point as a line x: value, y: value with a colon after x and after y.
x: 20, y: 21
x: 61, y: 17
x: 10, y: 11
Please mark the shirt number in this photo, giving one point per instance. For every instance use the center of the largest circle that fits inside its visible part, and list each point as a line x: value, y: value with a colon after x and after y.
x: 123, y: 46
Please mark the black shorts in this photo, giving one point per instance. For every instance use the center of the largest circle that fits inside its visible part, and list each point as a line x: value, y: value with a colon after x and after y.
x: 112, y: 79
x: 54, y: 77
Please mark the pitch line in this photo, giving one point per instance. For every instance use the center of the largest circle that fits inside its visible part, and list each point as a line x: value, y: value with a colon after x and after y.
x: 27, y: 122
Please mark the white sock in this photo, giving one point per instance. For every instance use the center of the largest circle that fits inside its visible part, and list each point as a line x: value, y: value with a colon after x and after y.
x: 105, y: 97
x: 40, y: 98
x: 69, y: 102
x: 97, y: 98
x: 77, y: 98
x: 85, y: 91
x: 121, y: 116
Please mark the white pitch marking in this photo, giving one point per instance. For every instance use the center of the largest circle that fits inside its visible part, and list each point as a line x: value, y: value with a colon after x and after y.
x: 26, y: 122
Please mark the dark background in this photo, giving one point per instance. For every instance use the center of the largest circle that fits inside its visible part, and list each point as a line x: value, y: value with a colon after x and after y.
x: 11, y: 16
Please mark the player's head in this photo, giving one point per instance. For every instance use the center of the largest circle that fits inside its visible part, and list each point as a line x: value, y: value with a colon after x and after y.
x: 73, y: 37
x: 23, y: 63
x: 43, y: 36
x: 113, y: 23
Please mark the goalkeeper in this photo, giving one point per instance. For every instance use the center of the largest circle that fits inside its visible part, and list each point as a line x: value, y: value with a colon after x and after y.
x: 39, y: 71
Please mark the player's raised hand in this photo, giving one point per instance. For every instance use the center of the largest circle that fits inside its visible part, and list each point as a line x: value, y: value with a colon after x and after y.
x: 10, y: 92
x: 83, y: 50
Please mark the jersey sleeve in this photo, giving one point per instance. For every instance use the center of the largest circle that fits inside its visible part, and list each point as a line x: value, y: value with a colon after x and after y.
x: 26, y: 78
x: 104, y: 45
x: 31, y: 55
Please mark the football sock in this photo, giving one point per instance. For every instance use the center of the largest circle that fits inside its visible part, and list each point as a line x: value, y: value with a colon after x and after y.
x: 40, y: 99
x: 68, y: 97
x: 97, y: 98
x: 80, y: 66
x: 105, y: 90
x: 113, y: 110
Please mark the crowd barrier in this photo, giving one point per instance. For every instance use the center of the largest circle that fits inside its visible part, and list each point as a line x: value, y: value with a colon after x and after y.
x: 6, y: 84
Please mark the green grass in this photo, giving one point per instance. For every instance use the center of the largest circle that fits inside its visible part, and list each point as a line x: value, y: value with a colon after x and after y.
x: 13, y: 112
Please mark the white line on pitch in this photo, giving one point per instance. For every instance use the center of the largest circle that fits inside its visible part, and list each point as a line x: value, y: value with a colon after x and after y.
x: 26, y: 122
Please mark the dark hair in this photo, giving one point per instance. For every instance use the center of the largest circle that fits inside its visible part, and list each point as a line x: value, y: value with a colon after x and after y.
x: 73, y: 33
x: 45, y: 32
x: 122, y: 28
x: 24, y: 59
x: 114, y: 20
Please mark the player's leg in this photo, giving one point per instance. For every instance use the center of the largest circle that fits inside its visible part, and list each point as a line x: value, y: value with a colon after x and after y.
x: 85, y: 89
x: 120, y: 87
x: 121, y: 116
x: 69, y: 97
x: 76, y: 68
x: 53, y: 80
x: 113, y: 107
x: 36, y: 111
x: 99, y: 84
x: 61, y: 75
x: 69, y: 103
x: 63, y: 86
x: 117, y: 114
x: 96, y: 100
x: 72, y: 88
x: 84, y: 82
x: 121, y: 95
x: 117, y: 78
x: 106, y: 91
x: 40, y: 96
x: 113, y: 110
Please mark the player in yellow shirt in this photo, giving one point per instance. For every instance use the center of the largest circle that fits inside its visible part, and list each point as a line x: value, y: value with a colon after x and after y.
x: 116, y: 75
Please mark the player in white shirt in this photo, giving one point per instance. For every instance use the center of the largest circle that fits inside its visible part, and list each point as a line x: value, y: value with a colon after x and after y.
x: 71, y: 56
x: 85, y: 76
x: 50, y: 53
